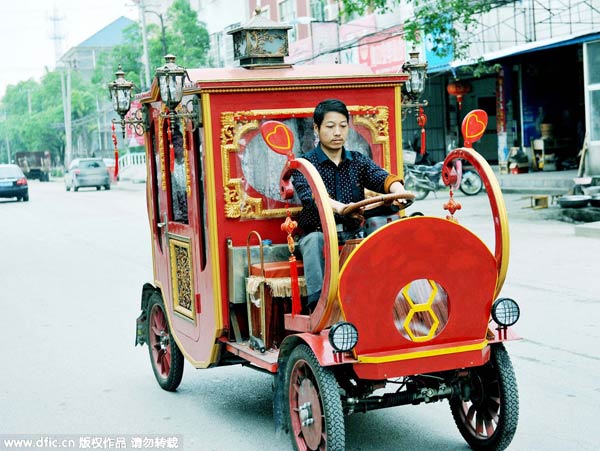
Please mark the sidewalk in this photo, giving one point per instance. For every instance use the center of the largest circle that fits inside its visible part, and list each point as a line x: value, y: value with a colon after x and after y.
x: 550, y: 183
x: 540, y: 182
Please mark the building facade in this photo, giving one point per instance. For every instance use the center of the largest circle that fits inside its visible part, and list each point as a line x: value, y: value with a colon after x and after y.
x: 539, y: 80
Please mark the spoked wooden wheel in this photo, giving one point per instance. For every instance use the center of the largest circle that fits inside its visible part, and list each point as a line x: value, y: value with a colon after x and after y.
x: 315, y: 416
x: 488, y: 420
x: 165, y: 356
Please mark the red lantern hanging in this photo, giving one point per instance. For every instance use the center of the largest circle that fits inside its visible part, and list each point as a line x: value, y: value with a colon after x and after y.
x: 459, y: 89
x: 421, y: 121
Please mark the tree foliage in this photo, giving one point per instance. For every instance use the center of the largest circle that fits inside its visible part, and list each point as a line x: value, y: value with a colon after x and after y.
x: 445, y: 21
x: 42, y: 128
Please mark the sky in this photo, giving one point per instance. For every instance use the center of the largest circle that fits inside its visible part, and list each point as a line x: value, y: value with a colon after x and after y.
x: 26, y: 46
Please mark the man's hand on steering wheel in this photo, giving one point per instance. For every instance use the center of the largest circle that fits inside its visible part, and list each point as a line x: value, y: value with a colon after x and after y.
x: 404, y: 199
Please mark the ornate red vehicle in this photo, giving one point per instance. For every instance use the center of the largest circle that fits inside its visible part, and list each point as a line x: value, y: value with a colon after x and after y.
x: 224, y: 289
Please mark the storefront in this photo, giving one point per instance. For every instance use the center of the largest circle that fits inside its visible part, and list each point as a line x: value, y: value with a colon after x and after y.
x: 540, y: 100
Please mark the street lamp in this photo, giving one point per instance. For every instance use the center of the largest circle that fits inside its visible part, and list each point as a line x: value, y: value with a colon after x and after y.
x: 412, y: 90
x: 170, y: 81
x: 163, y: 38
x: 415, y: 85
x: 120, y: 91
x: 170, y: 78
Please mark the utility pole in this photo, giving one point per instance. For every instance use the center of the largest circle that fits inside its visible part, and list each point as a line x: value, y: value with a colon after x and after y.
x: 6, y: 137
x: 145, y: 43
x: 163, y: 38
x: 66, y: 91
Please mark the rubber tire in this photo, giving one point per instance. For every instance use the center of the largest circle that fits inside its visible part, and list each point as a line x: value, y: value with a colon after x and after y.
x: 410, y: 185
x: 25, y: 198
x: 329, y: 397
x: 107, y: 187
x: 498, y: 379
x: 171, y: 381
x: 471, y: 189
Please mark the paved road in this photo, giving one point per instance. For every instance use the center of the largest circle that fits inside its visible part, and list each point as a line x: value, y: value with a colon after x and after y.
x: 71, y: 270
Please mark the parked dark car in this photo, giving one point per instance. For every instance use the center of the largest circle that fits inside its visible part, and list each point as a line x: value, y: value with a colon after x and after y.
x: 13, y: 182
x: 87, y: 172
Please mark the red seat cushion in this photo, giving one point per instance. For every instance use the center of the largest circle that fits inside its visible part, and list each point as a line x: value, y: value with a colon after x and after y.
x: 276, y: 269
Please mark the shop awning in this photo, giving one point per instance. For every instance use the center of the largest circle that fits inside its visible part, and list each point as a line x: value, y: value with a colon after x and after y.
x: 528, y: 47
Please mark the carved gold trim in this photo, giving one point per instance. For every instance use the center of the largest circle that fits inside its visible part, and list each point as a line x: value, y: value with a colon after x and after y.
x: 376, y: 120
x: 186, y: 158
x: 161, y: 152
x: 182, y: 276
x: 234, y: 125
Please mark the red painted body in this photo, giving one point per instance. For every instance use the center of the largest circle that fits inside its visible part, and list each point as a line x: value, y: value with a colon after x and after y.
x: 225, y: 206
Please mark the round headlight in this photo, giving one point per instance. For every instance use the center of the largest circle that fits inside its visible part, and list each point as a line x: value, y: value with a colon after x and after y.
x: 505, y: 312
x: 343, y: 336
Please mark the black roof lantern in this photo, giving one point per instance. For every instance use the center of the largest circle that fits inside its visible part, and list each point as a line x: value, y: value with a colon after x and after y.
x: 260, y: 42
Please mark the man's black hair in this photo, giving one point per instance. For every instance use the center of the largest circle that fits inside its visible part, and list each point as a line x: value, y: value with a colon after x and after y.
x: 327, y: 106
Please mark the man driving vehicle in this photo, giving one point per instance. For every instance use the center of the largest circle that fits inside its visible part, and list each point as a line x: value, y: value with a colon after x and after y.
x: 346, y: 174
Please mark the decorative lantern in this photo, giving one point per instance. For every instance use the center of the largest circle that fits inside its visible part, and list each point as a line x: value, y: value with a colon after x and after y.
x: 120, y: 92
x: 459, y: 89
x: 260, y: 42
x: 170, y: 81
x: 417, y: 71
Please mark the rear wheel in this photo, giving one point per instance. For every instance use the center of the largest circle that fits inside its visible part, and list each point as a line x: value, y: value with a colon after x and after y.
x: 165, y: 356
x: 488, y: 419
x: 471, y: 183
x: 107, y: 187
x: 25, y: 198
x: 314, y: 408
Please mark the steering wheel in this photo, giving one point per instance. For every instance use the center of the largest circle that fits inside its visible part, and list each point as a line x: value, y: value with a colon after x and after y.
x: 374, y: 202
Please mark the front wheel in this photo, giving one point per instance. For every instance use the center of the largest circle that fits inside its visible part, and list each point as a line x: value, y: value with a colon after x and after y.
x: 165, y: 356
x: 314, y: 408
x: 471, y: 183
x: 488, y: 419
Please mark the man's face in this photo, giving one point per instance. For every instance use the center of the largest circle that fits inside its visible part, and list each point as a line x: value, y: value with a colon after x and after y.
x: 333, y: 131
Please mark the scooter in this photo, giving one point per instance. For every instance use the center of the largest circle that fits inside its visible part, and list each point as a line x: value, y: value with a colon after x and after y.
x: 421, y: 179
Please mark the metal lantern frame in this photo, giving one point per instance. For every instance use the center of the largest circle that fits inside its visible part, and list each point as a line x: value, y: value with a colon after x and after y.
x: 120, y: 91
x: 171, y: 79
x: 414, y: 87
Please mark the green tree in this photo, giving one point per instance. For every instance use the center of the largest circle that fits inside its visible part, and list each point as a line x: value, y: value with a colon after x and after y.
x: 127, y: 55
x: 34, y: 114
x: 187, y: 38
x: 42, y: 128
x: 446, y: 21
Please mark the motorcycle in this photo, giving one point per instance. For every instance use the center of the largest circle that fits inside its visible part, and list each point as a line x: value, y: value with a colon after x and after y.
x: 421, y: 179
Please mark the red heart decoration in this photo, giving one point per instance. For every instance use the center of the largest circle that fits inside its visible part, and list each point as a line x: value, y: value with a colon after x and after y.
x: 278, y: 137
x: 473, y: 126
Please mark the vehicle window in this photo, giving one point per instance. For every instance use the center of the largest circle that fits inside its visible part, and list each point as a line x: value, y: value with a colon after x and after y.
x: 10, y: 171
x: 156, y: 180
x: 261, y: 167
x: 91, y: 164
x: 178, y: 180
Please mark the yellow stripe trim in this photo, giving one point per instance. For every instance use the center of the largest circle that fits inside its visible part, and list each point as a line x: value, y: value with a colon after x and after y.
x: 421, y: 354
x: 329, y: 228
x: 502, y: 216
x: 398, y: 120
x: 213, y: 240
